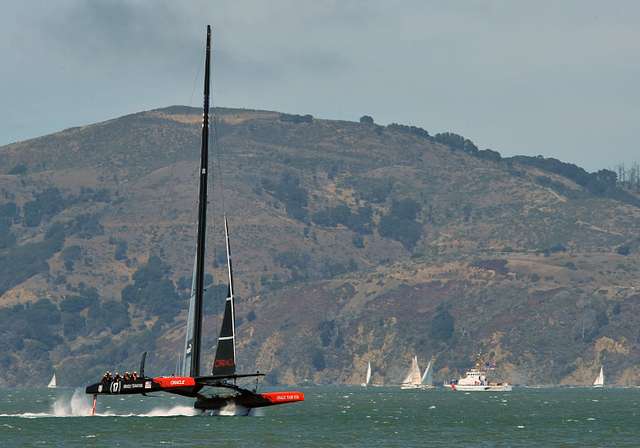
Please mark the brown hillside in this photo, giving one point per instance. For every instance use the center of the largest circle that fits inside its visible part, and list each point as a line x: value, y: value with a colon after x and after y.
x: 352, y: 242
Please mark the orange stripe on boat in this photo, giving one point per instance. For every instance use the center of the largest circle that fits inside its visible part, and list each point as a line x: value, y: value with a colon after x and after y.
x: 172, y: 382
x: 283, y: 397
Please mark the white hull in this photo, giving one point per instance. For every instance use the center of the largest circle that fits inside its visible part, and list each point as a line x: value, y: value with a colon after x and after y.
x: 416, y: 387
x: 479, y: 388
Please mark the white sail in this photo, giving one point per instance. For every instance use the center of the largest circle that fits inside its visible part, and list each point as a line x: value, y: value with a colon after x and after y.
x: 599, y: 381
x: 52, y: 384
x: 414, y: 377
x: 367, y: 381
x: 427, y: 376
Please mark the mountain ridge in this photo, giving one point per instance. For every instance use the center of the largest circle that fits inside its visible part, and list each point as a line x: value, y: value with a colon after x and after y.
x: 371, y: 212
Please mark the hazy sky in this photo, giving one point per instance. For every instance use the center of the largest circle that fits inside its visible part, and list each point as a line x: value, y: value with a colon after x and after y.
x: 557, y: 78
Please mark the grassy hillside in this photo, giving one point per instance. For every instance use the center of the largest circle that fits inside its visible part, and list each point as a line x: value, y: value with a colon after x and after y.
x: 352, y: 242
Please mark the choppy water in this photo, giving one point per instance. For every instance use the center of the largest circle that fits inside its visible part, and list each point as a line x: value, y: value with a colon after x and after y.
x: 332, y: 417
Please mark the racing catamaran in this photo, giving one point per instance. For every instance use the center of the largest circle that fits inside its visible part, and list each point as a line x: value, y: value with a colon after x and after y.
x: 223, y: 375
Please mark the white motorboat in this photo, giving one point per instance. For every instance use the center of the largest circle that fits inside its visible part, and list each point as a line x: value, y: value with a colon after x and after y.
x: 475, y: 380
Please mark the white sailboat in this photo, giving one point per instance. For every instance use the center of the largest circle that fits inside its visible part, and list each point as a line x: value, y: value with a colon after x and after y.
x: 413, y: 380
x: 599, y: 381
x: 427, y: 376
x: 52, y: 383
x: 367, y: 380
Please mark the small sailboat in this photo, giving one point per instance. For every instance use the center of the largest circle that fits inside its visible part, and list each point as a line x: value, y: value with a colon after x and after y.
x: 367, y: 380
x: 599, y: 381
x: 413, y: 380
x: 427, y: 376
x: 53, y: 383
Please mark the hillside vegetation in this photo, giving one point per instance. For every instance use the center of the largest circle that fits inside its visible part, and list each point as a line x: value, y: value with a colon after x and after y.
x: 352, y: 242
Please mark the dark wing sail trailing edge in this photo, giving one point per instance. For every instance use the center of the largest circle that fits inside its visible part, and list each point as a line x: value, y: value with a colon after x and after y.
x: 225, y: 361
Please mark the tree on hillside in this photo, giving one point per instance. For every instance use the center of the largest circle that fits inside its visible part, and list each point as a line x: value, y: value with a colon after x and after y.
x: 289, y: 189
x: 153, y: 291
x: 366, y: 119
x: 442, y: 324
x: 400, y: 223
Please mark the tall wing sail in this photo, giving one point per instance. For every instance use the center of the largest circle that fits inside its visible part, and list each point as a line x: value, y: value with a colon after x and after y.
x: 189, y: 337
x: 194, y: 324
x: 368, y: 379
x: 225, y: 361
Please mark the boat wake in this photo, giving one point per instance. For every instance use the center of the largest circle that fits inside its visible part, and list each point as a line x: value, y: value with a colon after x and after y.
x: 79, y: 405
x: 76, y: 406
x: 231, y: 410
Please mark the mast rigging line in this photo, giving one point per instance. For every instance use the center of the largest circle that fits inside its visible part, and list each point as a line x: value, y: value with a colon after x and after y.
x: 170, y: 185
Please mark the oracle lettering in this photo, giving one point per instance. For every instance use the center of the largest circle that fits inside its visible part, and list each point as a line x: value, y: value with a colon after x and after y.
x: 224, y: 363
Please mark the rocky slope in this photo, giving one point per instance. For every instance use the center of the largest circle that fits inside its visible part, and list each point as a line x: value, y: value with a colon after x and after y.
x: 352, y: 242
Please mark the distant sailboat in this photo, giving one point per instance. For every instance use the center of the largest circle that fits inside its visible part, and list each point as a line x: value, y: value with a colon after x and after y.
x: 413, y: 380
x: 367, y: 380
x: 427, y: 376
x: 599, y: 381
x: 52, y: 384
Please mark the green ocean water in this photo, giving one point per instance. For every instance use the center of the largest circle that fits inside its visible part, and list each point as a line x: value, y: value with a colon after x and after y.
x: 332, y: 417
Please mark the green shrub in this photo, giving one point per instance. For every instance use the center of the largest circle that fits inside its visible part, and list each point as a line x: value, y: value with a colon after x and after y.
x: 86, y: 226
x: 86, y: 298
x: 625, y: 249
x: 442, y: 325
x: 296, y: 262
x: 372, y: 189
x: 7, y: 238
x: 359, y: 222
x: 405, y: 231
x: 289, y: 190
x: 73, y: 325
x: 44, y: 205
x: 19, y: 169
x: 22, y: 262
x: 153, y: 291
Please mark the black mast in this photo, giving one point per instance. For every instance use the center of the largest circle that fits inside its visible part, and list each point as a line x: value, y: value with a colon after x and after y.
x: 202, y: 217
